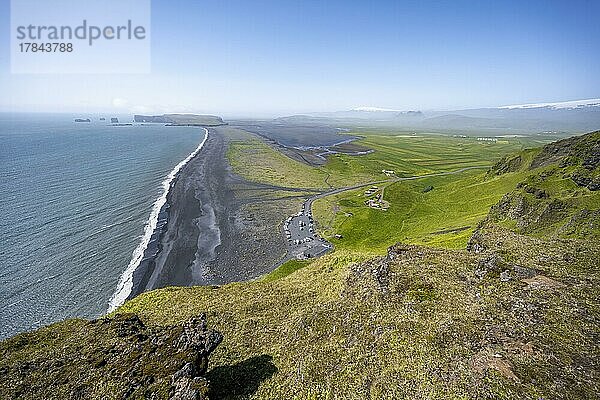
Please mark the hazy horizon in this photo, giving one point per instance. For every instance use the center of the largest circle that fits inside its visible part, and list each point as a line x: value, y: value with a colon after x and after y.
x: 228, y: 115
x: 269, y: 59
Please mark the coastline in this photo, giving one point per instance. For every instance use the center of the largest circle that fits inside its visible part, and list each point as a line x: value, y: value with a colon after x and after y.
x: 214, y: 227
x: 192, y: 230
x: 149, y: 246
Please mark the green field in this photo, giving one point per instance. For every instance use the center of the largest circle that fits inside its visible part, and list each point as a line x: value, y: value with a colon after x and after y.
x: 440, y: 217
x: 409, y: 155
x: 406, y: 155
x: 443, y: 217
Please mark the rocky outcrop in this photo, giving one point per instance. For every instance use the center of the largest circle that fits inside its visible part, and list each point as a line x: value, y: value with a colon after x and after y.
x: 577, y: 150
x: 546, y: 202
x: 115, y: 357
x: 505, y: 165
x: 196, y: 337
x: 188, y: 385
x: 584, y: 179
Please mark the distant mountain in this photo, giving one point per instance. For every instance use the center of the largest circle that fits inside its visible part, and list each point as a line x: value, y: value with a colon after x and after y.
x: 559, y: 118
x: 380, y: 111
x: 457, y: 121
x: 578, y: 104
x: 373, y: 109
x: 567, y: 117
x: 359, y: 114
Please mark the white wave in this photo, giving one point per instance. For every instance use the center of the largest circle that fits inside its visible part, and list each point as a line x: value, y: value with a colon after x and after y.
x: 126, y: 282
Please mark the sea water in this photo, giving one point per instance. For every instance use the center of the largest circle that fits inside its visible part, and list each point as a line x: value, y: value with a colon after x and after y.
x: 75, y: 199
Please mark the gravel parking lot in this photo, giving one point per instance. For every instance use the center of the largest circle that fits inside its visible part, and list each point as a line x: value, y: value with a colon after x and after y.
x: 303, y: 241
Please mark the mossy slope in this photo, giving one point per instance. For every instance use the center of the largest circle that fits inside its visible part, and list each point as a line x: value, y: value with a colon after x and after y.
x: 560, y: 194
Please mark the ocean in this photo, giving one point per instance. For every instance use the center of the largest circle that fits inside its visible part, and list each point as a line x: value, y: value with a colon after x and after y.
x: 75, y: 200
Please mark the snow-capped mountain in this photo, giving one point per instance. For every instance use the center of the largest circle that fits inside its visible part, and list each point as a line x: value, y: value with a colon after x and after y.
x: 374, y: 109
x: 575, y: 104
x: 567, y: 117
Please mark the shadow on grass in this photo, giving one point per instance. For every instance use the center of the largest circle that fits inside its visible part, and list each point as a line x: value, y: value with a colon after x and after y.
x: 241, y: 379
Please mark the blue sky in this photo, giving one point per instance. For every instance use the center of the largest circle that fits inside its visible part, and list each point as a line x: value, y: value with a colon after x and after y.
x: 258, y: 58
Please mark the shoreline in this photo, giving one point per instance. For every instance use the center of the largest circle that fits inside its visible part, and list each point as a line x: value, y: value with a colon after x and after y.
x: 192, y: 231
x: 210, y: 226
x: 149, y: 245
x: 215, y: 227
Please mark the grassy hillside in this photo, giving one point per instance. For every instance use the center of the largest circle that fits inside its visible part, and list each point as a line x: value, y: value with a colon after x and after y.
x: 446, y: 215
x: 543, y: 192
x: 559, y: 195
x: 419, y: 323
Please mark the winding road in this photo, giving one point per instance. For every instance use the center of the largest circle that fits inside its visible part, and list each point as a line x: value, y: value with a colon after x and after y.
x: 304, y: 242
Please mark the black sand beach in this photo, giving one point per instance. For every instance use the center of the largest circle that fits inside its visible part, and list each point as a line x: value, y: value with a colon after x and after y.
x: 216, y: 227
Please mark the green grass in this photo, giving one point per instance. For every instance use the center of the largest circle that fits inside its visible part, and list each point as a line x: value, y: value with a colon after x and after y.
x: 406, y: 155
x: 565, y: 209
x: 413, y: 217
x: 417, y: 324
x: 421, y: 322
x: 285, y: 269
x: 256, y: 161
x: 437, y: 217
x: 410, y: 326
x: 410, y: 155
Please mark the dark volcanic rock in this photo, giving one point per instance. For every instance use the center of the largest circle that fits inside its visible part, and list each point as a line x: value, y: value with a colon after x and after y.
x: 583, y: 180
x: 537, y: 192
x: 578, y: 150
x: 199, y: 339
x: 492, y: 263
x: 475, y: 243
x: 187, y: 385
x: 116, y: 357
x: 524, y: 272
x: 506, y: 164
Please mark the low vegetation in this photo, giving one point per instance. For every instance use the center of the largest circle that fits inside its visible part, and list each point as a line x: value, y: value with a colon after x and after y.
x: 403, y: 155
x: 285, y: 269
x: 438, y: 217
x: 255, y: 160
x: 109, y: 358
x: 419, y: 154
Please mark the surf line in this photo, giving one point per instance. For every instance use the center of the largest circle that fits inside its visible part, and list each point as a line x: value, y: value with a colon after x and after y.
x: 125, y: 285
